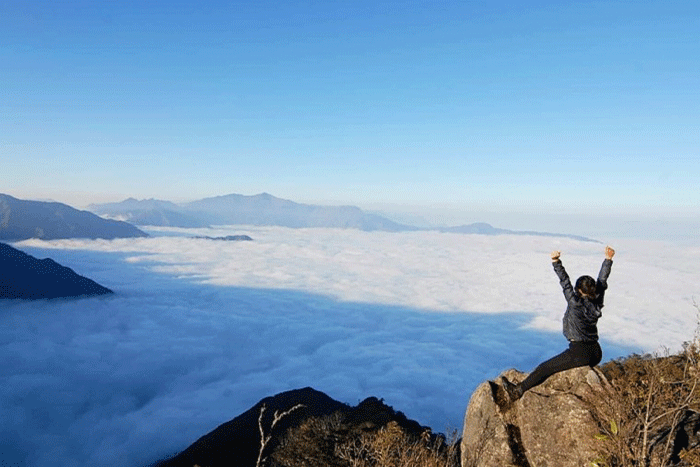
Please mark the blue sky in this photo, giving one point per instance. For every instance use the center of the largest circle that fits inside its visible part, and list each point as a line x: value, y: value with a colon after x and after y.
x: 546, y: 106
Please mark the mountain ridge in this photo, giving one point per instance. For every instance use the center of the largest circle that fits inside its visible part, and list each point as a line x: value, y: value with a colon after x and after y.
x: 265, y: 209
x: 238, y: 440
x: 23, y: 219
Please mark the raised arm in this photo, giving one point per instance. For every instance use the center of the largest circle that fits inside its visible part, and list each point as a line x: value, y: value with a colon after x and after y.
x: 604, y: 273
x: 563, y: 276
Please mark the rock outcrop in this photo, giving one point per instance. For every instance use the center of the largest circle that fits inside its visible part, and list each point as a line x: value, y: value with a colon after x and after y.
x: 551, y: 426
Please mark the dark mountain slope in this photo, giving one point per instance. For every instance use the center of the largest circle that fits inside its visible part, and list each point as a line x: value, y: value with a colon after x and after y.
x: 305, y: 435
x: 22, y: 219
x: 237, y: 442
x: 26, y: 277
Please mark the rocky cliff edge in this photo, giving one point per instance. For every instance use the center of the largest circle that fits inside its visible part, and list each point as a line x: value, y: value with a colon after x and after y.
x: 551, y: 426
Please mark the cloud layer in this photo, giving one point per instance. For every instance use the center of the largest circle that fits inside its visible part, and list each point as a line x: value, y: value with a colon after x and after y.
x: 200, y: 330
x: 650, y: 303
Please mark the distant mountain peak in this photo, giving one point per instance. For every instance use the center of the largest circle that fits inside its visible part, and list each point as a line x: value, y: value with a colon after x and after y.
x: 266, y: 209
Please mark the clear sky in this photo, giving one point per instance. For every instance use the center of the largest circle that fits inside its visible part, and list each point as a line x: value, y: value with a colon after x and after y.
x: 539, y: 105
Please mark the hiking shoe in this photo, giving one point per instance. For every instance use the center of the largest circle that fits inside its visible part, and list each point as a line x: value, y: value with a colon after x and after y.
x: 500, y: 396
x: 513, y: 391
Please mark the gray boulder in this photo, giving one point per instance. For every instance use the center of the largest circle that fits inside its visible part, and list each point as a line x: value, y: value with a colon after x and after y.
x: 551, y: 426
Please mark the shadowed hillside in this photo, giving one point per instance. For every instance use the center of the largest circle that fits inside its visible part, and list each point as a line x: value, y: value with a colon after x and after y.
x: 305, y: 427
x: 21, y: 219
x: 23, y: 276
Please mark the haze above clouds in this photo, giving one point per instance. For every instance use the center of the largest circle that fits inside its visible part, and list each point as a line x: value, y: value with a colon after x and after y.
x: 200, y: 330
x: 541, y: 106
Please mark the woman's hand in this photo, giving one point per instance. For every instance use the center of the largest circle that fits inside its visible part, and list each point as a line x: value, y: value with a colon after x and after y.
x: 556, y: 255
x: 609, y: 252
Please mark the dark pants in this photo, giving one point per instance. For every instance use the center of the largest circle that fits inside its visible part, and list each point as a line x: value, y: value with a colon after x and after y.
x: 578, y: 354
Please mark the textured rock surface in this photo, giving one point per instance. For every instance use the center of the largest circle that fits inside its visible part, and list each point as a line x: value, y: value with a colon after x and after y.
x: 551, y: 426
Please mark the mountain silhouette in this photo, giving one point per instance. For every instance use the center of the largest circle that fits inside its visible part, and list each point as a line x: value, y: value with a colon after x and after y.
x: 150, y: 212
x: 237, y: 442
x: 267, y: 210
x: 260, y: 210
x: 22, y: 219
x: 23, y: 276
x: 482, y: 228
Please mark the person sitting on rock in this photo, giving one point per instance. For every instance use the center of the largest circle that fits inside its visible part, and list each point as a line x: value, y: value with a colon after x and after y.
x: 584, y: 303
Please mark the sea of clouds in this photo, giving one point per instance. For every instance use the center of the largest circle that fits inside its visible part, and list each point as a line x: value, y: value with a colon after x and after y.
x: 200, y: 330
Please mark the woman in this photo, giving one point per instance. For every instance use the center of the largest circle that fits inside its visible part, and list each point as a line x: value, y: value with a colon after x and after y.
x: 584, y: 304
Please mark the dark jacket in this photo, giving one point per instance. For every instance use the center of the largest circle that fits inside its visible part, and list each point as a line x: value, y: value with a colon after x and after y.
x: 581, y: 317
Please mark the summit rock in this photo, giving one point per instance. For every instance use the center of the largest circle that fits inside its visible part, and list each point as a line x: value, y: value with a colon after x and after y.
x: 550, y: 426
